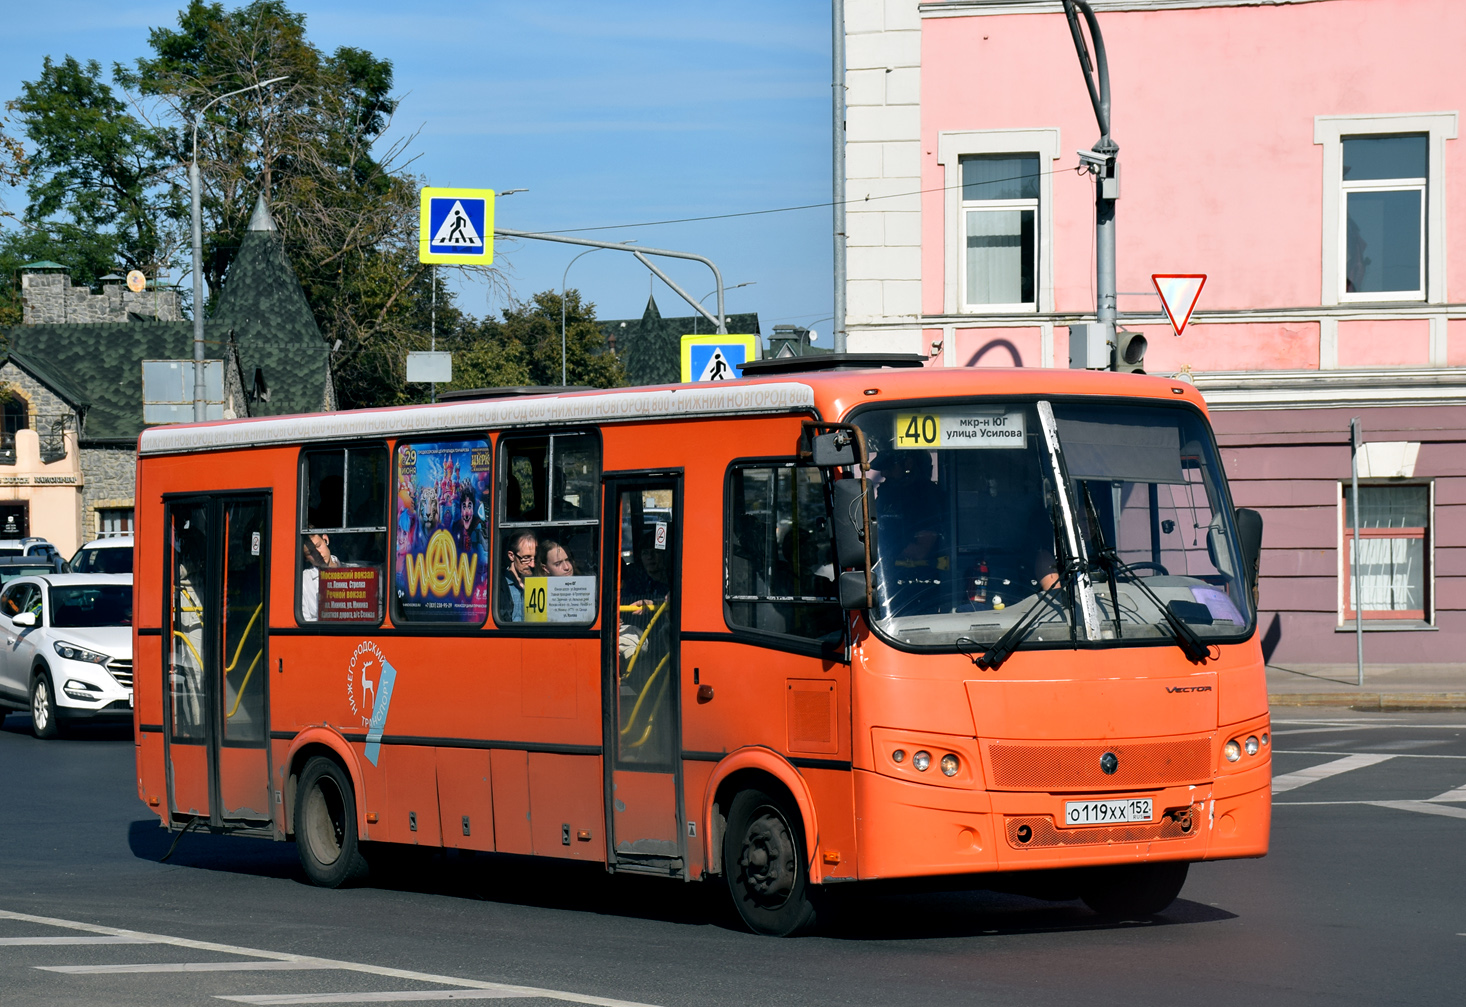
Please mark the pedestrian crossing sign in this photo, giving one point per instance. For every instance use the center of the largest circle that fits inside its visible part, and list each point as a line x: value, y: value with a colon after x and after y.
x: 456, y: 226
x: 716, y: 358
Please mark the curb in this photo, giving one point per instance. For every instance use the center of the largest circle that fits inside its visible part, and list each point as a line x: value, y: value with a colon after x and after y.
x: 1373, y: 701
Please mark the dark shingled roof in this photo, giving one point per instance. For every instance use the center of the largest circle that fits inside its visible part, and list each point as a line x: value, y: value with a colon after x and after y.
x: 263, y: 305
x: 103, y: 361
x: 651, y: 347
x: 100, y: 365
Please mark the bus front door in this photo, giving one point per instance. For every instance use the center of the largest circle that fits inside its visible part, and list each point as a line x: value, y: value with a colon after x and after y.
x: 640, y: 639
x: 217, y: 667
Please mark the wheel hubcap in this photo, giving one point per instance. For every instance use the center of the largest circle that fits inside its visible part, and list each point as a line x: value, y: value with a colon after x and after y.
x: 768, y: 863
x: 41, y: 708
x: 324, y: 823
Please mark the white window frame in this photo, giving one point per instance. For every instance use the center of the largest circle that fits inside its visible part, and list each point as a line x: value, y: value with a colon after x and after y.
x: 951, y: 148
x: 1329, y: 132
x: 1344, y: 529
x: 1001, y: 206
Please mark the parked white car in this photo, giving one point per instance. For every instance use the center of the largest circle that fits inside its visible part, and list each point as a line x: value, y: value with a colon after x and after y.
x: 104, y: 555
x: 67, y: 649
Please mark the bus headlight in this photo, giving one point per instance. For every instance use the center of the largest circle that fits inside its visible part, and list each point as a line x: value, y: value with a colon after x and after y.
x: 1251, y: 745
x: 898, y: 756
x: 921, y: 760
x: 1232, y: 751
x: 950, y: 765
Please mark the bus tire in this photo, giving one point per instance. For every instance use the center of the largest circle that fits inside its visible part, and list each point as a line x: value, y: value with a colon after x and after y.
x: 1132, y: 891
x: 44, y: 722
x: 766, y: 865
x: 325, y: 825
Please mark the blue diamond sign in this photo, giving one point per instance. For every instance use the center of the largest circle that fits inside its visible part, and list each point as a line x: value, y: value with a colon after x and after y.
x: 456, y: 226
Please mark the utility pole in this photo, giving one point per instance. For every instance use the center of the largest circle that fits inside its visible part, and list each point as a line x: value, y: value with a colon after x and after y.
x: 1356, y: 438
x: 1102, y: 162
x: 837, y: 87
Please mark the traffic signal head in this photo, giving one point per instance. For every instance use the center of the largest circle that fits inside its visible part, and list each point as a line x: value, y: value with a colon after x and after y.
x: 1129, y: 352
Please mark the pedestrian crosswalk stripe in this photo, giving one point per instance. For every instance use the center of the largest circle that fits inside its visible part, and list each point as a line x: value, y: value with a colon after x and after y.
x: 402, y: 996
x: 1459, y: 794
x: 1291, y: 781
x: 1424, y: 807
x: 92, y: 970
x: 11, y: 942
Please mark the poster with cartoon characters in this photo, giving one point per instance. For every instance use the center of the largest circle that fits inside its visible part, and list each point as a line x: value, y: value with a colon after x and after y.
x: 441, y: 570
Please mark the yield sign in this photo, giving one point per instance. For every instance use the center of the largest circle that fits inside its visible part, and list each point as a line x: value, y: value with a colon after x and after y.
x: 1179, y: 292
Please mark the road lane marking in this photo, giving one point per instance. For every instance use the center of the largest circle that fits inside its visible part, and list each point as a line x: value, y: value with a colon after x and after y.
x: 1291, y: 781
x: 102, y: 970
x: 362, y: 998
x: 1393, y: 755
x: 1459, y: 794
x: 285, y: 956
x: 1423, y: 807
x: 14, y: 942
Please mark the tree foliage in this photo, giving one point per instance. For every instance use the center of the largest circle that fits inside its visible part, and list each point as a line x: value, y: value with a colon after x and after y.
x: 522, y: 346
x: 315, y: 144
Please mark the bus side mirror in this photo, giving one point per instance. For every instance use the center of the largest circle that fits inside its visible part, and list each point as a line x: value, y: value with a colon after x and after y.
x: 833, y: 449
x: 852, y: 542
x: 1249, y: 537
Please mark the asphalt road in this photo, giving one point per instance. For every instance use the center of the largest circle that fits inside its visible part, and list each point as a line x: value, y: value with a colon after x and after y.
x: 1360, y: 902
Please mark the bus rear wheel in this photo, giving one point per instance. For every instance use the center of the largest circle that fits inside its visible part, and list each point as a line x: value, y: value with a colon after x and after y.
x: 766, y: 866
x: 1132, y: 891
x: 325, y: 825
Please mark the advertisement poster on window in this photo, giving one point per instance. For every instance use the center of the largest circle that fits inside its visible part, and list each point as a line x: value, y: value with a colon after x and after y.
x: 441, y: 572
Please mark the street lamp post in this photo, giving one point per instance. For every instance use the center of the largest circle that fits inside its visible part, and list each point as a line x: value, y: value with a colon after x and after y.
x: 198, y: 254
x: 710, y: 293
x: 563, y: 278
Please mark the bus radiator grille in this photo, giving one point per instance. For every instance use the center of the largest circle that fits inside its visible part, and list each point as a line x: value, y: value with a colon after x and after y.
x: 1177, y: 823
x: 1067, y: 768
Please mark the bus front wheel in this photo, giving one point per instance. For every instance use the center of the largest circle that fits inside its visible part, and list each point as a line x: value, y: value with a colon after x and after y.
x: 1131, y: 891
x: 766, y: 865
x: 325, y: 825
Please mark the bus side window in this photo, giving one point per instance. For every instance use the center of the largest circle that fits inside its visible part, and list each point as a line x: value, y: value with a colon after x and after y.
x: 548, y: 544
x: 342, y: 547
x: 780, y: 565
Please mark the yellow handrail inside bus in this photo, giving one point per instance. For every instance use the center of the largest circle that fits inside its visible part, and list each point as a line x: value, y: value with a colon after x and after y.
x: 651, y: 715
x: 651, y: 680
x: 240, y: 694
x: 243, y: 637
x: 196, y: 656
x: 631, y: 661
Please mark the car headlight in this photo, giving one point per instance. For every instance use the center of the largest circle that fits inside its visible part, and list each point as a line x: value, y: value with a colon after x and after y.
x: 72, y: 652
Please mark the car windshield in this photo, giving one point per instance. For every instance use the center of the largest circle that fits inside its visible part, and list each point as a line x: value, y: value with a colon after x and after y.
x: 91, y: 605
x: 971, y: 535
x: 105, y: 560
x: 10, y: 551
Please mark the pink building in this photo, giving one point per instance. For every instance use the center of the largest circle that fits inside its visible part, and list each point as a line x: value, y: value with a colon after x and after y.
x: 1303, y: 155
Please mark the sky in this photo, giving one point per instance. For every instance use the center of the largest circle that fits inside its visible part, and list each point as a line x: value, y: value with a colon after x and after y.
x: 609, y: 113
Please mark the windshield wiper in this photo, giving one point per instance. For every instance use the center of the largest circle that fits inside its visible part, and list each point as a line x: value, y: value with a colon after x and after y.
x: 1191, y: 645
x: 1002, y: 648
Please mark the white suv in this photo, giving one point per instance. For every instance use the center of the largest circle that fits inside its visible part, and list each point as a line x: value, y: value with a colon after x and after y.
x: 68, y: 649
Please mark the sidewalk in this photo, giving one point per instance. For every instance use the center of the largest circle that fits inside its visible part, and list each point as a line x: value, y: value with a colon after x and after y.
x: 1386, y: 686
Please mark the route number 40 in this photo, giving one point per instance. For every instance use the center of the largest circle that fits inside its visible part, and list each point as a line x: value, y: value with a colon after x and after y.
x: 918, y: 430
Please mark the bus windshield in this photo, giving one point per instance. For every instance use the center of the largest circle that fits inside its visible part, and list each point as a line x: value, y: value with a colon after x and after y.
x: 972, y: 533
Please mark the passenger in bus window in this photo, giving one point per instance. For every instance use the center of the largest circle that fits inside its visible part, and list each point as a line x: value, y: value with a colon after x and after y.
x: 644, y: 589
x: 518, y: 564
x: 553, y: 560
x: 316, y: 550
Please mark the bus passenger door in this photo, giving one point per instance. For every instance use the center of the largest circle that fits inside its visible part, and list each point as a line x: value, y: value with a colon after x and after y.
x: 640, y: 638
x: 217, y: 664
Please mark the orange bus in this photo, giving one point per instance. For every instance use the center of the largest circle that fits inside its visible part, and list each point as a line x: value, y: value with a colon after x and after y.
x: 842, y: 619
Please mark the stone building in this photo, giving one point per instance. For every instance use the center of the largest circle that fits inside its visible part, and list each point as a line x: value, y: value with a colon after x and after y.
x: 71, y: 385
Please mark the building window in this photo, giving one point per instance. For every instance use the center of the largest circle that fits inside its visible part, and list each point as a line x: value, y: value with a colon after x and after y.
x: 113, y: 522
x: 999, y: 225
x: 1384, y: 185
x: 1394, y: 552
x: 1384, y: 206
x: 14, y: 416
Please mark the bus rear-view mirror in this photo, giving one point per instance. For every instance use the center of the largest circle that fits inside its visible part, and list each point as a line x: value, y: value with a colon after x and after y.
x: 850, y: 523
x: 1249, y: 537
x: 833, y: 449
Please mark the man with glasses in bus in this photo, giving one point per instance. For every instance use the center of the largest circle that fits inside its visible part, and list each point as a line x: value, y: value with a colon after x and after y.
x: 523, y: 547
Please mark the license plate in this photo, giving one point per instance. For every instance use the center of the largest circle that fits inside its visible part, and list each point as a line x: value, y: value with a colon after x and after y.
x: 1128, y: 809
x: 129, y: 701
